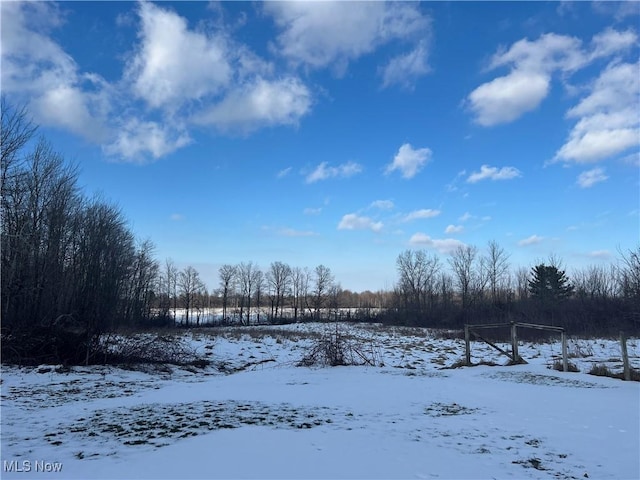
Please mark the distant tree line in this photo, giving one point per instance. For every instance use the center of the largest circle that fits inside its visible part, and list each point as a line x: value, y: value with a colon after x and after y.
x: 72, y: 269
x: 481, y: 288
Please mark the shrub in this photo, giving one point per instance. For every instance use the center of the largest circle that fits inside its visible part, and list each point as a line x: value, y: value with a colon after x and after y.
x: 557, y: 365
x: 600, y: 370
x: 335, y: 349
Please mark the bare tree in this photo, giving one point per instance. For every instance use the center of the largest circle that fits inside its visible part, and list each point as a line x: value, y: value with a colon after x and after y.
x: 190, y: 285
x: 259, y: 281
x: 299, y: 288
x: 418, y: 279
x: 522, y: 283
x: 248, y: 277
x: 323, y: 280
x: 278, y: 280
x: 497, y: 263
x: 17, y: 130
x: 170, y: 284
x: 227, y: 274
x: 629, y: 268
x: 144, y: 272
x: 470, y: 274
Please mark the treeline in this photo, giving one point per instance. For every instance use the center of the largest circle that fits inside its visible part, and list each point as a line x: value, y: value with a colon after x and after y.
x: 71, y: 267
x: 247, y: 294
x: 474, y: 287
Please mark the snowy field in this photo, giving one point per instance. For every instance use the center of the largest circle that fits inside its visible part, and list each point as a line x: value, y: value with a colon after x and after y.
x: 254, y: 414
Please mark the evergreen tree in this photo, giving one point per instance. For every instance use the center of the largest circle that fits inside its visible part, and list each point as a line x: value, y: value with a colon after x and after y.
x: 549, y: 284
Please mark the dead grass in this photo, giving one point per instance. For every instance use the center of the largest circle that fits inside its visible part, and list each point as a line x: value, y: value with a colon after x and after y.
x: 558, y: 365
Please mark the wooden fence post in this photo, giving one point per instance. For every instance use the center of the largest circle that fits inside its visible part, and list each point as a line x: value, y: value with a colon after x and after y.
x: 467, y: 344
x: 514, y: 343
x: 625, y: 357
x: 565, y: 360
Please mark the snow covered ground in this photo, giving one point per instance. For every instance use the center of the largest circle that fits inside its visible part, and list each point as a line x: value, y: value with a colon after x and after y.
x: 254, y: 414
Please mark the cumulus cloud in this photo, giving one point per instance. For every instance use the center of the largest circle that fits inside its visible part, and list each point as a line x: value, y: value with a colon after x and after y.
x: 532, y: 240
x: 321, y: 34
x: 422, y: 213
x: 494, y: 173
x: 405, y: 69
x: 136, y: 139
x: 183, y: 75
x: 608, y: 121
x: 532, y: 64
x: 324, y: 171
x: 506, y: 98
x: 37, y: 71
x: 409, y: 160
x: 353, y: 221
x: 591, y: 177
x: 444, y: 245
x: 259, y: 103
x: 452, y: 229
x: 611, y: 41
x: 172, y: 63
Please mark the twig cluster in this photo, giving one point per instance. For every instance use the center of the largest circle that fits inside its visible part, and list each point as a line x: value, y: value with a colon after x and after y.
x: 335, y: 349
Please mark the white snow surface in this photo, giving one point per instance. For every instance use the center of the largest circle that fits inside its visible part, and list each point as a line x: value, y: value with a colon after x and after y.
x: 254, y: 414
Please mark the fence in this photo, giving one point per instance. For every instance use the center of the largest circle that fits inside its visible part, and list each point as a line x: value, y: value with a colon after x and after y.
x: 514, y: 356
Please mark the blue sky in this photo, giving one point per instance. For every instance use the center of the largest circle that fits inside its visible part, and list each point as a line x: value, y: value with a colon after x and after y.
x: 343, y: 133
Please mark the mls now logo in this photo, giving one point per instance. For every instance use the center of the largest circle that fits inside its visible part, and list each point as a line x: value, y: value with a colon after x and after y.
x: 28, y: 466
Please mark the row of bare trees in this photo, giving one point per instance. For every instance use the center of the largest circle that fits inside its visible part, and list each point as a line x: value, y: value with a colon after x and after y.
x: 71, y: 268
x: 473, y: 287
x: 247, y: 294
x: 289, y: 292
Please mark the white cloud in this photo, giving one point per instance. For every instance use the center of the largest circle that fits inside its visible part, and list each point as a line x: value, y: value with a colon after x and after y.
x: 494, y: 173
x: 409, y: 160
x: 506, y: 98
x: 445, y: 245
x: 174, y: 64
x: 320, y: 34
x: 259, y: 103
x: 38, y: 72
x: 284, y: 172
x: 422, y: 213
x: 548, y: 53
x: 532, y: 64
x: 382, y: 204
x: 600, y: 254
x: 611, y: 42
x: 618, y: 10
x: 324, y: 172
x: 632, y: 159
x: 290, y: 232
x: 312, y: 211
x: 608, y: 123
x: 352, y: 221
x: 185, y: 75
x: 532, y: 240
x: 404, y: 69
x: 136, y: 139
x: 452, y: 229
x: 591, y: 177
x: 465, y: 217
